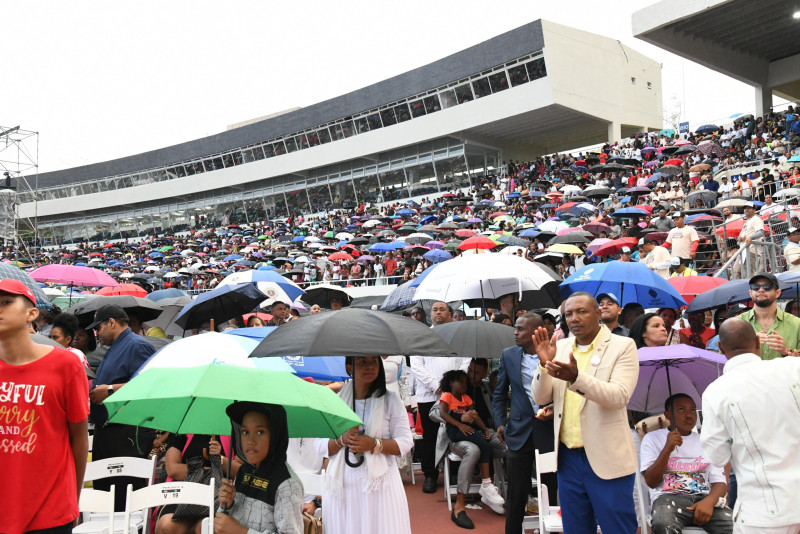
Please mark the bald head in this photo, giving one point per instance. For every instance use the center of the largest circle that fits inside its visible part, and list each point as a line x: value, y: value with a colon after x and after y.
x: 736, y: 336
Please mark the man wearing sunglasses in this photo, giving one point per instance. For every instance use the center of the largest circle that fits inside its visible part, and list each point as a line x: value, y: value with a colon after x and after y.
x: 778, y: 332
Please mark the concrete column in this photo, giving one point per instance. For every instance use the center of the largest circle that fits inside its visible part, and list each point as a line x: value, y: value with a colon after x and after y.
x: 763, y: 100
x: 614, y: 132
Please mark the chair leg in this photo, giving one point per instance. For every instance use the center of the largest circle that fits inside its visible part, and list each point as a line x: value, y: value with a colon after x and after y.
x: 447, y: 482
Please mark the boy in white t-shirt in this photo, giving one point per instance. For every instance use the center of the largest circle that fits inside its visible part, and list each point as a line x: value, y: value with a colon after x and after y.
x: 684, y: 487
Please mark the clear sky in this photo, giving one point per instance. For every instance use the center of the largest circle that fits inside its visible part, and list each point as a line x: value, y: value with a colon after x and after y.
x: 101, y: 80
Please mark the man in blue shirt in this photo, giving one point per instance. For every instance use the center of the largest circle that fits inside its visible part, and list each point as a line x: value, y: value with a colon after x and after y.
x: 126, y: 354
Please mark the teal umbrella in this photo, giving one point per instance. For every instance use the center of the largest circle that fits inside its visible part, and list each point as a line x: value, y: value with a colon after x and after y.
x: 192, y: 400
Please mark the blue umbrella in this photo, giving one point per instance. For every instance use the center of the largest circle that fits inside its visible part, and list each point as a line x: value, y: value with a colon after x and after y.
x: 426, y: 220
x: 547, y: 206
x: 795, y: 158
x: 435, y: 256
x: 397, y: 245
x: 233, y: 257
x: 298, y: 239
x: 629, y: 281
x: 172, y: 292
x: 267, y: 268
x: 707, y: 129
x: 403, y: 295
x: 406, y: 212
x: 530, y: 232
x: 536, y: 194
x: 381, y: 247
x: 254, y: 332
x: 630, y: 212
x: 317, y: 367
x: 513, y: 195
x: 156, y: 255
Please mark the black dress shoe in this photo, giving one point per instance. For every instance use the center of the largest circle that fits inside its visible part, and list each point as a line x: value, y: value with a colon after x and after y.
x: 430, y: 485
x: 462, y: 520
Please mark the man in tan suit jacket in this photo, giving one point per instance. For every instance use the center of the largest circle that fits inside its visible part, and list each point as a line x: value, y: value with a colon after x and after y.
x: 589, y: 379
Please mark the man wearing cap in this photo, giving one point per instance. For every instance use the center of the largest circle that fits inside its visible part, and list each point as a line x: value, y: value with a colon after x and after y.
x: 778, y: 332
x: 126, y: 354
x: 625, y: 254
x: 44, y: 432
x: 682, y: 239
x: 792, y: 250
x: 725, y: 188
x: 753, y: 229
x: 678, y: 268
x: 677, y: 193
x: 610, y: 311
x: 657, y: 258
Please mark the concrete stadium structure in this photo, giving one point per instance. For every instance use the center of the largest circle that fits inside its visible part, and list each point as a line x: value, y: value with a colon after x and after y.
x: 538, y: 89
x: 754, y: 42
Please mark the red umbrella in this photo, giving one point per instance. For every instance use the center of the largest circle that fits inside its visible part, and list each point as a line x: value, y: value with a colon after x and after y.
x: 477, y: 242
x: 645, y: 207
x: 497, y: 214
x: 674, y: 161
x: 615, y: 246
x: 691, y: 286
x: 658, y: 237
x: 264, y: 316
x: 123, y: 289
x: 567, y: 206
x: 340, y: 256
x: 464, y: 232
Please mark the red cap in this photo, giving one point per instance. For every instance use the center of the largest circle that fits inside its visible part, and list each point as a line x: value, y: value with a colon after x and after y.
x: 15, y: 287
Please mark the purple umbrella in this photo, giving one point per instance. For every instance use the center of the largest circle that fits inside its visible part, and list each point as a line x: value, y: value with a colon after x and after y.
x: 651, y: 163
x: 673, y: 369
x: 435, y: 244
x: 475, y: 220
x: 596, y: 244
x: 364, y: 259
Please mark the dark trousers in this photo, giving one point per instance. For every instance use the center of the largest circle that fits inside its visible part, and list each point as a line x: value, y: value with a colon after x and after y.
x: 521, y: 465
x: 476, y: 437
x: 588, y: 500
x: 120, y: 440
x: 427, y: 445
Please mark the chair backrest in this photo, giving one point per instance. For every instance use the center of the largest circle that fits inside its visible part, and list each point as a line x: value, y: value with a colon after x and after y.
x: 654, y: 422
x: 313, y: 483
x: 92, y: 500
x: 121, y: 466
x: 545, y: 463
x: 170, y: 493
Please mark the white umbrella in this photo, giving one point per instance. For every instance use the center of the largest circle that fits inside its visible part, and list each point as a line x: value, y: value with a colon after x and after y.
x: 552, y: 227
x: 312, y: 239
x: 372, y: 222
x: 791, y: 192
x: 511, y: 250
x: 53, y: 293
x: 482, y: 276
x: 344, y: 236
x: 570, y: 189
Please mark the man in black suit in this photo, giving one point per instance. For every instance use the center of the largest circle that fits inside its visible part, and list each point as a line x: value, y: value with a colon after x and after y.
x: 524, y: 427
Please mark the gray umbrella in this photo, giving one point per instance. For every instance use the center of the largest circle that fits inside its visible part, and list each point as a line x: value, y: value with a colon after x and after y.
x: 705, y: 195
x: 477, y: 339
x: 8, y: 271
x: 353, y: 332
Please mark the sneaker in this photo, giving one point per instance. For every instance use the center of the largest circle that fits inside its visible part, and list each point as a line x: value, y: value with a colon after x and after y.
x: 491, y: 498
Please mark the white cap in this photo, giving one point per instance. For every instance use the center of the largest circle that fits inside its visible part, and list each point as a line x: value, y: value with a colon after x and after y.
x: 625, y: 250
x: 675, y: 261
x: 792, y: 230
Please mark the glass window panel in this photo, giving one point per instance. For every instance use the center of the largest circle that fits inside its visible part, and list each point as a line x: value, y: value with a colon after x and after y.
x: 324, y: 136
x: 374, y: 120
x: 388, y: 117
x: 464, y: 93
x: 432, y: 104
x: 336, y: 132
x: 343, y: 194
x: 417, y: 108
x: 421, y: 179
x: 237, y: 158
x: 313, y: 138
x: 476, y: 165
x: 498, y: 81
x: 448, y: 98
x: 394, y: 185
x: 452, y: 173
x: 348, y: 130
x: 227, y: 160
x: 481, y: 87
x: 518, y: 75
x: 279, y: 148
x: 368, y: 189
x: 269, y: 151
x: 536, y: 69
x: 302, y: 141
x: 248, y: 155
x: 217, y: 164
x: 402, y: 113
x: 362, y: 125
x: 276, y: 206
x: 320, y: 197
x: 258, y: 152
x: 291, y: 145
x: 298, y: 200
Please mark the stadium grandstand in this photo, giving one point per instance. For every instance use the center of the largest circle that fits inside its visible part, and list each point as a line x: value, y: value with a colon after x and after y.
x: 434, y: 129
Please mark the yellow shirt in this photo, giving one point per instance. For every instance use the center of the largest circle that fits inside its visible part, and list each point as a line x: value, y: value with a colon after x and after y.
x: 570, y: 434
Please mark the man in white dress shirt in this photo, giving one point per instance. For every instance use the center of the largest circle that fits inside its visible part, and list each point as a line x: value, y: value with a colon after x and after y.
x: 751, y: 418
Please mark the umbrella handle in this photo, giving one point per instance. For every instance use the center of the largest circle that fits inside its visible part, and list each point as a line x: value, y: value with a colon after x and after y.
x: 347, y: 458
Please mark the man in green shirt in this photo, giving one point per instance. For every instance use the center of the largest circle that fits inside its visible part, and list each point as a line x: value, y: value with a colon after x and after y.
x: 778, y: 332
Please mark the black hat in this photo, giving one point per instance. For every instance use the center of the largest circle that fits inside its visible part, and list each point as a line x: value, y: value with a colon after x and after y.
x: 104, y: 313
x: 767, y: 276
x: 238, y: 410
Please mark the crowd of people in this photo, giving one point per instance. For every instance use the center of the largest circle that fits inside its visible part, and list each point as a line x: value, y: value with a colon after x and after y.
x: 563, y: 388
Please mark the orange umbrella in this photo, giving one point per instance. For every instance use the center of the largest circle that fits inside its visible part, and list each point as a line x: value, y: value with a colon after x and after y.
x: 123, y: 289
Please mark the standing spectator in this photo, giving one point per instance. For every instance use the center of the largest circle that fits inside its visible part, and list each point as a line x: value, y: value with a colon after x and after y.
x: 683, y: 239
x: 280, y: 313
x: 590, y: 379
x: 657, y: 257
x: 762, y: 445
x: 390, y: 266
x: 45, y: 430
x: 126, y: 354
x: 792, y: 250
x: 778, y: 332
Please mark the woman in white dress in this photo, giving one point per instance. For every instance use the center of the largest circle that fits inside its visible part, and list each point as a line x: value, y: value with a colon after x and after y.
x: 368, y: 498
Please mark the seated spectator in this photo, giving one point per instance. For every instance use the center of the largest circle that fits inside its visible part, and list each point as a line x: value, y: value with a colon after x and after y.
x: 685, y: 487
x: 697, y: 334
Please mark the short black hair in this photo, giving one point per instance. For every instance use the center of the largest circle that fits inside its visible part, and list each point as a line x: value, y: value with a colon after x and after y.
x: 481, y: 362
x: 449, y: 377
x: 278, y: 303
x: 68, y: 324
x: 670, y: 402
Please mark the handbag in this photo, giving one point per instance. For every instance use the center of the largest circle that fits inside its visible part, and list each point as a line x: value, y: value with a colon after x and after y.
x: 196, y: 473
x: 311, y: 524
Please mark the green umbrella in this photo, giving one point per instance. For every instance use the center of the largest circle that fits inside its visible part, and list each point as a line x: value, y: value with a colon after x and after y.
x: 167, y: 248
x: 192, y: 400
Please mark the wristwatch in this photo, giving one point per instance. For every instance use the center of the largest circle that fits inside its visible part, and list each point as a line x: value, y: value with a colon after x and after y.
x: 378, y: 446
x: 110, y: 389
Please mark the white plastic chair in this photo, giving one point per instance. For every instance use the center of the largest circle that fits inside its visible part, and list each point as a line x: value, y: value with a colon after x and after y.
x: 92, y: 500
x: 644, y: 508
x: 549, y: 517
x: 452, y: 489
x: 313, y: 483
x: 143, y: 499
x: 121, y: 466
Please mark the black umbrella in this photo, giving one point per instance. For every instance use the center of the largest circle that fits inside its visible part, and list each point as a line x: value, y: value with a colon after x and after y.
x: 221, y: 304
x: 477, y: 339
x: 322, y: 294
x: 144, y: 309
x: 353, y: 332
x: 597, y: 192
x: 614, y: 167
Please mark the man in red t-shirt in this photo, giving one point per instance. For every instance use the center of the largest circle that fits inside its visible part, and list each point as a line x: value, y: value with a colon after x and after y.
x: 44, y: 409
x: 697, y: 335
x: 390, y: 266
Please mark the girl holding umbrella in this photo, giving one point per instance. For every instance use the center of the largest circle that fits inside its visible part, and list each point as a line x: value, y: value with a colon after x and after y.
x: 363, y: 490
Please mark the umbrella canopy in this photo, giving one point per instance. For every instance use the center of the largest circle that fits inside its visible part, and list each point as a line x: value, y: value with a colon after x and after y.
x: 477, y: 339
x: 273, y: 285
x: 673, y: 369
x: 630, y: 281
x: 323, y: 294
x: 477, y: 242
x: 123, y: 289
x: 436, y: 256
x: 691, y: 286
x: 486, y: 276
x: 73, y: 275
x: 220, y: 304
x: 144, y: 309
x: 193, y: 401
x: 316, y: 367
x: 733, y: 292
x: 353, y: 332
x: 8, y: 271
x: 161, y: 294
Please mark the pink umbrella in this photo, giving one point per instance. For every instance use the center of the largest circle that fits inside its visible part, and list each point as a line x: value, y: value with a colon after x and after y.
x: 567, y: 230
x: 74, y: 275
x: 596, y: 244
